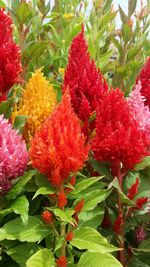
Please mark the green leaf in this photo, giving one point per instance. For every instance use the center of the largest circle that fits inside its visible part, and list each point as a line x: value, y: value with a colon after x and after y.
x: 65, y: 216
x: 2, y: 4
x: 143, y: 164
x: 102, y: 168
x: 21, y: 206
x: 92, y: 218
x: 123, y: 16
x: 18, y: 188
x: 20, y: 122
x: 127, y: 33
x: 90, y: 239
x: 145, y: 246
x: 42, y: 181
x: 98, y: 260
x: 42, y: 258
x: 85, y: 183
x: 106, y: 18
x: 22, y: 253
x: 23, y: 13
x: 131, y: 7
x: 43, y: 191
x: 34, y: 231
x: 6, y: 107
x: 93, y: 198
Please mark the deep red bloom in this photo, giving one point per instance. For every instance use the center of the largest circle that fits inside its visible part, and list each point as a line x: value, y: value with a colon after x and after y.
x: 144, y: 77
x: 61, y: 261
x: 10, y: 64
x: 79, y: 206
x: 133, y: 190
x: 62, y: 200
x: 69, y: 236
x: 118, y: 224
x: 85, y: 83
x: 58, y: 148
x: 118, y: 136
x: 140, y: 234
x: 47, y: 217
x: 141, y: 201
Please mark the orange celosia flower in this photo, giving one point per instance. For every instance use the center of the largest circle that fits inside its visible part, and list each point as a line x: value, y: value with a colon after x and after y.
x: 38, y: 101
x: 58, y: 148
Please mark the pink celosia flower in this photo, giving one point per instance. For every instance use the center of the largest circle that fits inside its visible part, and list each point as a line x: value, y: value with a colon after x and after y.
x: 13, y: 155
x: 139, y: 110
x: 10, y: 64
x: 118, y: 139
x: 144, y: 77
x: 85, y: 83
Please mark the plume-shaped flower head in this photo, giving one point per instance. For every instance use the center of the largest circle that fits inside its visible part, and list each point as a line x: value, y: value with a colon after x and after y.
x: 13, y: 155
x: 139, y: 110
x: 119, y: 139
x: 144, y: 77
x: 58, y: 148
x: 37, y: 102
x: 85, y: 83
x: 10, y: 64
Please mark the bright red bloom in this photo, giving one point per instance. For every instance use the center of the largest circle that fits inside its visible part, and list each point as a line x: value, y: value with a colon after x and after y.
x: 47, y: 217
x: 79, y: 206
x: 141, y: 201
x: 118, y: 224
x: 133, y: 190
x: 10, y: 64
x: 58, y: 148
x: 85, y: 83
x: 69, y: 236
x: 118, y: 136
x: 144, y: 77
x: 61, y: 261
x: 62, y: 200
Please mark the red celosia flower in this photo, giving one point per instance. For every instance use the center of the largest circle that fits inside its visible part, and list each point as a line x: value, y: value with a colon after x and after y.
x: 62, y: 200
x: 133, y: 190
x: 118, y: 136
x: 144, y: 77
x: 10, y: 64
x: 79, y: 206
x: 141, y: 201
x: 58, y: 148
x: 61, y: 261
x: 118, y: 224
x: 69, y: 236
x: 47, y: 217
x: 85, y: 83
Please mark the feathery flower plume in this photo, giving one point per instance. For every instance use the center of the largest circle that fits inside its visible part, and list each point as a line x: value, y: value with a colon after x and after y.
x: 85, y: 83
x: 61, y: 261
x: 38, y: 102
x: 13, y: 155
x: 10, y: 64
x: 144, y: 77
x: 118, y: 139
x: 47, y: 217
x: 139, y: 110
x: 58, y: 148
x: 133, y: 190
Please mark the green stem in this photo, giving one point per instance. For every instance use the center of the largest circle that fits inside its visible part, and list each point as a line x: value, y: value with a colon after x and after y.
x: 63, y: 234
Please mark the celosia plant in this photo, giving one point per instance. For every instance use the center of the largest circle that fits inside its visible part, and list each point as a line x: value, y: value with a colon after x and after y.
x: 58, y: 148
x: 13, y: 155
x: 37, y: 103
x: 10, y: 64
x: 144, y: 78
x: 85, y: 83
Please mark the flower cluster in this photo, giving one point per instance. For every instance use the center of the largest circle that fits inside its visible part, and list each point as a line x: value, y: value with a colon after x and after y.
x: 144, y: 77
x: 118, y: 139
x: 13, y: 155
x: 38, y: 102
x: 139, y: 110
x: 10, y: 65
x: 85, y: 83
x: 58, y: 148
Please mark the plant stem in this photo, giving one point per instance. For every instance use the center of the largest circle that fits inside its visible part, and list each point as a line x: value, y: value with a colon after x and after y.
x: 122, y: 257
x: 63, y: 234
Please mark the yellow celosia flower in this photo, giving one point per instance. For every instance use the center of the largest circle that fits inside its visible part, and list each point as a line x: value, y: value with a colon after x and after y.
x: 37, y: 102
x: 68, y: 16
